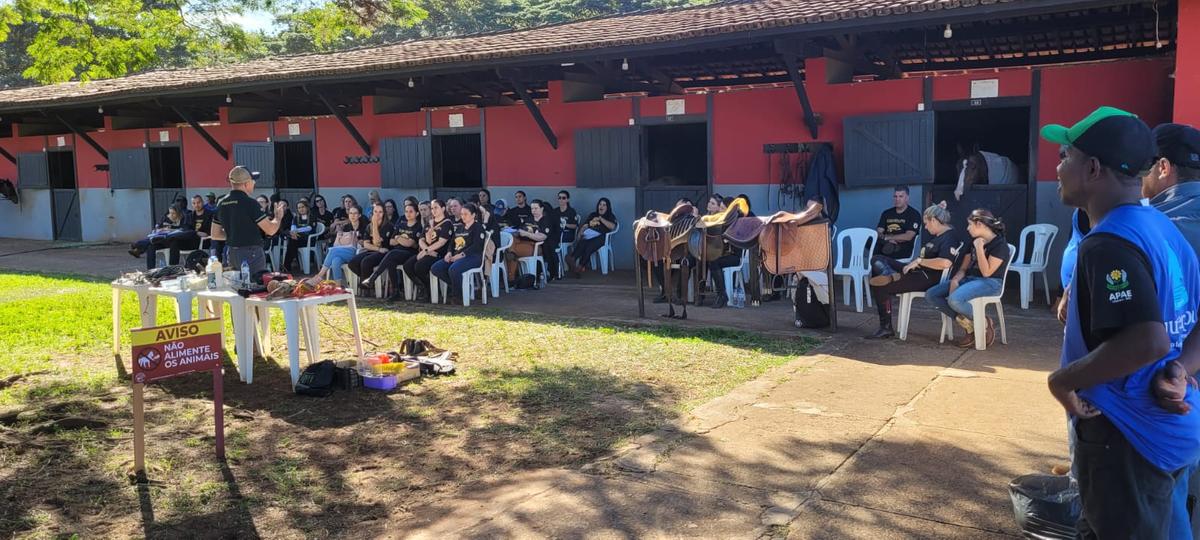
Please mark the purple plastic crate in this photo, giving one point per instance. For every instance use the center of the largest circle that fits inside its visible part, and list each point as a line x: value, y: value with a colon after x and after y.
x: 383, y: 382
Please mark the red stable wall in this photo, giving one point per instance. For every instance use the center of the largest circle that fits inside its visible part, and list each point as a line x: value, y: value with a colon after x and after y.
x: 203, y: 167
x: 334, y: 144
x: 518, y: 154
x: 1011, y: 83
x: 1187, y: 64
x: 1071, y: 92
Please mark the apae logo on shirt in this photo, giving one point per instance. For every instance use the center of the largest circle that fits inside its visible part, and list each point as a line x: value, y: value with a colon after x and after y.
x: 1117, y: 283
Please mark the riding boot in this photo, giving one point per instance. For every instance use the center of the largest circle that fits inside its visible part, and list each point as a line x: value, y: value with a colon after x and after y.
x: 885, y: 330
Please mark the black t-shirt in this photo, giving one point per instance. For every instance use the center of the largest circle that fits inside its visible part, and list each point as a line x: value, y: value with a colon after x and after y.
x: 405, y: 231
x: 239, y: 214
x: 202, y: 223
x: 893, y: 222
x: 492, y: 226
x: 564, y: 218
x: 301, y: 222
x: 593, y: 222
x: 997, y: 248
x: 386, y: 231
x: 339, y: 213
x: 443, y: 231
x: 325, y: 218
x: 1116, y: 287
x: 518, y: 216
x: 469, y: 240
x: 946, y: 246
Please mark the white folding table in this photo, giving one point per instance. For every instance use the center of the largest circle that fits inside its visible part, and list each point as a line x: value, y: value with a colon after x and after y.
x: 148, y: 305
x: 299, y: 313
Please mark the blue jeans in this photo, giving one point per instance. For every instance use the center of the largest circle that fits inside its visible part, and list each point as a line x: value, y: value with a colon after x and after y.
x: 336, y: 257
x: 958, y: 303
x: 1181, y: 520
x: 452, y: 273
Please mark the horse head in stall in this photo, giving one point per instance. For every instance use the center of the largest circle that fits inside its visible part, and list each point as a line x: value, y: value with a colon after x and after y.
x: 9, y: 191
x: 977, y: 167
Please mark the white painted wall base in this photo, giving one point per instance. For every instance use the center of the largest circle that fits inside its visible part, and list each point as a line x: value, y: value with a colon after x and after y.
x: 32, y: 219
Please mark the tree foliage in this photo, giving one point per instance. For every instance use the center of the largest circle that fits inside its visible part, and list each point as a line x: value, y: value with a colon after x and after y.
x: 49, y: 41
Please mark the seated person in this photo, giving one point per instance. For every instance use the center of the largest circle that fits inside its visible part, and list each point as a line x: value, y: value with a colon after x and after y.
x: 898, y: 227
x: 348, y: 239
x: 519, y: 214
x: 303, y: 224
x: 199, y: 226
x: 527, y: 236
x: 979, y: 271
x: 431, y: 248
x: 158, y: 238
x: 922, y: 273
x: 402, y: 247
x: 465, y: 254
x: 320, y: 211
x: 568, y: 218
x: 375, y: 247
x: 591, y: 238
x: 729, y: 256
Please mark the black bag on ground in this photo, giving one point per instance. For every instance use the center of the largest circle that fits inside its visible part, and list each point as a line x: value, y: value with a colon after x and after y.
x: 810, y: 312
x: 527, y: 281
x: 1046, y: 506
x: 317, y: 379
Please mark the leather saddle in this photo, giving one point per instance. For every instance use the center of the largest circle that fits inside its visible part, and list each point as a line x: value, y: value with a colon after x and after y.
x: 788, y: 248
x: 706, y: 242
x: 661, y: 236
x: 744, y: 232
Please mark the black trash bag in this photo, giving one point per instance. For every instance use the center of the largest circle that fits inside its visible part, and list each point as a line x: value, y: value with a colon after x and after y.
x: 1046, y: 506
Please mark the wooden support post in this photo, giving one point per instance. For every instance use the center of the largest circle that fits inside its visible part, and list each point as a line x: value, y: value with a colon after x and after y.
x: 83, y: 135
x: 8, y: 156
x: 203, y: 132
x: 219, y: 408
x: 341, y: 117
x: 533, y: 108
x: 139, y: 431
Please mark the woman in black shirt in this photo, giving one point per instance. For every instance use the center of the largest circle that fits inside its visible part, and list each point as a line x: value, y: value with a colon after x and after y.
x: 600, y: 222
x: 363, y: 264
x: 978, y: 271
x: 303, y: 225
x: 568, y: 218
x: 527, y: 236
x: 390, y: 213
x: 401, y: 248
x: 432, y: 247
x: 158, y: 238
x: 924, y: 272
x: 320, y: 210
x: 348, y: 202
x: 466, y: 253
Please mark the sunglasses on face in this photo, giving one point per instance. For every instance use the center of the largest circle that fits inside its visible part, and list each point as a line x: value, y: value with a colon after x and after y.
x: 562, y: 198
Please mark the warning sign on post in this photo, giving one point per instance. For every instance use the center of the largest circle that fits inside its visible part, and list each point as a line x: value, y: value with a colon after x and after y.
x: 167, y: 351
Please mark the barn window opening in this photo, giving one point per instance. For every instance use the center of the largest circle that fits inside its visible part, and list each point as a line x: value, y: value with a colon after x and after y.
x: 60, y: 166
x: 294, y: 165
x: 458, y: 161
x: 677, y: 154
x: 1000, y: 132
x: 166, y: 168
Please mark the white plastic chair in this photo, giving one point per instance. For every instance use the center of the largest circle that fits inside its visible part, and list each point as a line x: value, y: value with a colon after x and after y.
x: 979, y: 313
x: 468, y: 286
x: 906, y: 300
x: 312, y: 248
x: 854, y: 267
x: 916, y: 250
x: 605, y: 253
x: 535, y: 264
x: 498, y: 266
x: 741, y: 271
x: 1043, y: 238
x: 381, y: 284
x: 564, y: 249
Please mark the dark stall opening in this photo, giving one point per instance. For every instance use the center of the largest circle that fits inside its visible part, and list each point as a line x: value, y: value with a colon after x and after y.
x: 166, y: 168
x: 1003, y: 131
x: 458, y: 161
x: 294, y: 165
x: 60, y: 166
x: 677, y: 154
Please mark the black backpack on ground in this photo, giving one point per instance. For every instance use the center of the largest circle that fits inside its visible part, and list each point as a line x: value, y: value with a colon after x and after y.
x: 810, y: 312
x: 317, y: 379
x: 527, y: 281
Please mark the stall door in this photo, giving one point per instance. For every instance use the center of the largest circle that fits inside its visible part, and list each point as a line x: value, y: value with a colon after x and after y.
x: 664, y: 198
x: 406, y: 162
x: 889, y: 149
x: 67, y: 225
x: 257, y: 157
x: 1009, y: 202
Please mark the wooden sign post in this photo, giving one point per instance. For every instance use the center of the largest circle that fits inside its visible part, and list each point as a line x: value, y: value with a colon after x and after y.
x: 170, y: 351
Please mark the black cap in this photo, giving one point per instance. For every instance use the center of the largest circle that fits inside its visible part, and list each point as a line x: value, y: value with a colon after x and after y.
x: 1179, y: 143
x: 1118, y: 139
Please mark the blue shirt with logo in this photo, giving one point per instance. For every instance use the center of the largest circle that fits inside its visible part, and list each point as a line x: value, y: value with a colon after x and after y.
x: 1167, y: 440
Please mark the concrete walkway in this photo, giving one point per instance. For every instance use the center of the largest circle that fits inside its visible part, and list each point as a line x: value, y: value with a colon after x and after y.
x: 861, y: 439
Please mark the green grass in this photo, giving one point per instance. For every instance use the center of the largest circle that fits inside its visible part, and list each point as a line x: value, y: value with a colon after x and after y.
x: 531, y: 392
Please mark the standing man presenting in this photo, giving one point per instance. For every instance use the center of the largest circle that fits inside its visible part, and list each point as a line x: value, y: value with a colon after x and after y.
x: 1130, y: 318
x: 241, y: 222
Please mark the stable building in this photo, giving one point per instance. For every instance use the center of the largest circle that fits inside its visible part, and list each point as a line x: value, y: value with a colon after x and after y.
x: 643, y: 109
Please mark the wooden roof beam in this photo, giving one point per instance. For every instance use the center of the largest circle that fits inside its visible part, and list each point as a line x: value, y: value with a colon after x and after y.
x: 82, y: 135
x: 514, y: 78
x: 204, y: 134
x: 788, y: 51
x: 341, y: 118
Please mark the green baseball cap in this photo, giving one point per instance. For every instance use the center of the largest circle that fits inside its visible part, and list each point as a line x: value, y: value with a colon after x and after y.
x: 1117, y: 138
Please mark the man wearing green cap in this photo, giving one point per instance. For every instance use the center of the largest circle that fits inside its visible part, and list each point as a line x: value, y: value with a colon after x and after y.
x: 1130, y: 316
x: 239, y: 220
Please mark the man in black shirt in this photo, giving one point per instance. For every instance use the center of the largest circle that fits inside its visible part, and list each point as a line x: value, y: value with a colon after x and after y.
x: 898, y: 227
x: 240, y: 222
x: 520, y: 213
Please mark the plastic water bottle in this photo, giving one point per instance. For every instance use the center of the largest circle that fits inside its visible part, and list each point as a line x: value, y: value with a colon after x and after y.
x: 739, y: 297
x: 213, y: 273
x: 245, y: 275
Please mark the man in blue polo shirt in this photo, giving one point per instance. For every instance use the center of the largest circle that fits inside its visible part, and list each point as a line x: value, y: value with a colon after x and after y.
x: 1130, y: 315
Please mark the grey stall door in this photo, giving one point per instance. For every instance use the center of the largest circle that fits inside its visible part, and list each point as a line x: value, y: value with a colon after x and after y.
x: 67, y: 225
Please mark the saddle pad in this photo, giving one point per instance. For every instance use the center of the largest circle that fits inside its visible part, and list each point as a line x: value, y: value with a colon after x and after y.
x: 704, y: 246
x: 744, y: 232
x: 788, y: 248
